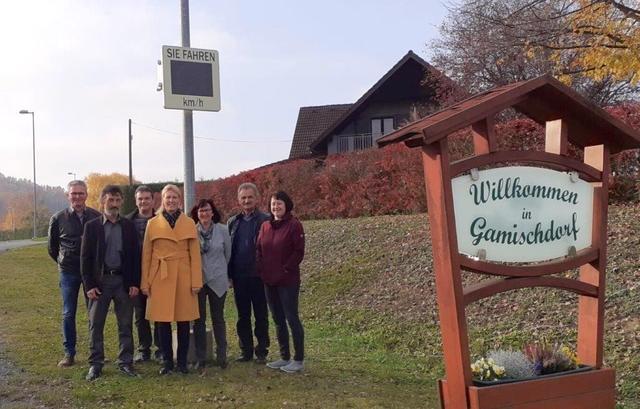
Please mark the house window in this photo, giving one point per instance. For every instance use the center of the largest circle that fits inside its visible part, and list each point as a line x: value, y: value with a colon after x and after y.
x: 343, y: 144
x: 381, y: 126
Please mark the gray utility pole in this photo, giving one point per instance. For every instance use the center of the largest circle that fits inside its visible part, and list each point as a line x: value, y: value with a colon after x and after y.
x: 33, y: 132
x: 189, y: 173
x: 130, y: 165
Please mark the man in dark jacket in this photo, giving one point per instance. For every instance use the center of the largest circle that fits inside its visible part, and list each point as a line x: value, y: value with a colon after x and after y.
x: 248, y: 288
x: 144, y: 211
x: 65, y: 237
x: 110, y: 266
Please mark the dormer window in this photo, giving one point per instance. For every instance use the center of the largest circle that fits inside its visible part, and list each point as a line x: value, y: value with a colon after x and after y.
x: 381, y: 126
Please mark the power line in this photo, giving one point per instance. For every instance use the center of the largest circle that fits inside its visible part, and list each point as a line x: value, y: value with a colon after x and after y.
x: 211, y: 139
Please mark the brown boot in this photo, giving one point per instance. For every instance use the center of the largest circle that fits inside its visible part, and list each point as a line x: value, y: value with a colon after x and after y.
x: 66, y: 361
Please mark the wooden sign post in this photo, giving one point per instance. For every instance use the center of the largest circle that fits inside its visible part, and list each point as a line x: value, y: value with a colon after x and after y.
x: 544, y: 218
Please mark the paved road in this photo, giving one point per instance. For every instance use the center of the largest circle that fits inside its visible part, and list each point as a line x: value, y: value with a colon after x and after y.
x: 16, y: 244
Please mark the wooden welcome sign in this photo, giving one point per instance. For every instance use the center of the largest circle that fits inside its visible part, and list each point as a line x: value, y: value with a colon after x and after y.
x: 521, y: 216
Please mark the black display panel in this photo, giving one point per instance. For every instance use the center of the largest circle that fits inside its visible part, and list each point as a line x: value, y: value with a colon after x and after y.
x: 191, y: 78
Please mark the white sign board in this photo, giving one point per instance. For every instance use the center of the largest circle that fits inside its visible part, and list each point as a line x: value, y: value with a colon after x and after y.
x: 191, y: 78
x: 522, y: 213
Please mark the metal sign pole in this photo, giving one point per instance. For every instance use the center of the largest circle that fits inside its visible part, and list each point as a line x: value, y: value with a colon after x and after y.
x: 35, y: 201
x: 130, y: 156
x: 189, y: 173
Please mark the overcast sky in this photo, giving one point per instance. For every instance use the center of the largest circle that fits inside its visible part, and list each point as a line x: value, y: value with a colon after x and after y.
x: 86, y: 67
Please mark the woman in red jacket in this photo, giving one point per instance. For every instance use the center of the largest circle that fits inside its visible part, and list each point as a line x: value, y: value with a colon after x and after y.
x: 280, y: 250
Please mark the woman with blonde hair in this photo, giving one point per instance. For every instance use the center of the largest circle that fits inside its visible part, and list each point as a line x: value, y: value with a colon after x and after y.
x: 171, y: 276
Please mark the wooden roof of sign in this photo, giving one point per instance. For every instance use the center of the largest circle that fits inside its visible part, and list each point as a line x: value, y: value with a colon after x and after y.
x: 542, y: 99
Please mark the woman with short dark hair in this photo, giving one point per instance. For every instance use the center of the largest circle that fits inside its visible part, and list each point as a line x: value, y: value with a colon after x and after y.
x: 215, y: 251
x: 280, y: 250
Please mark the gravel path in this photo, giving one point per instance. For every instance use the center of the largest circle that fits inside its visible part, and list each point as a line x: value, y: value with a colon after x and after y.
x: 16, y: 244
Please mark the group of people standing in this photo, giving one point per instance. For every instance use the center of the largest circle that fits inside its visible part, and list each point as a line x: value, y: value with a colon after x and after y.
x: 163, y: 266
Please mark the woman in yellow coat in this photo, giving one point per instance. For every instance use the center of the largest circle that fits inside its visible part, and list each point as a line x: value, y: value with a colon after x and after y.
x: 171, y: 276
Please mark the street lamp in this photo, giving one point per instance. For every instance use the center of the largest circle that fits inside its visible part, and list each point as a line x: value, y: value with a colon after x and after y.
x: 72, y: 173
x: 33, y: 132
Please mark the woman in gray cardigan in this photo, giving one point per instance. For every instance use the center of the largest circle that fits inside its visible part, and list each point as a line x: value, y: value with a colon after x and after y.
x: 215, y: 248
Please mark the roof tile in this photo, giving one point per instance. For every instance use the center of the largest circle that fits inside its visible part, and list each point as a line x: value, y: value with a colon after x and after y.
x: 312, y: 121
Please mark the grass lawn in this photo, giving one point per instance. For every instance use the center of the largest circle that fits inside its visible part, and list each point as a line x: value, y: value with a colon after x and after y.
x: 344, y: 369
x: 371, y: 322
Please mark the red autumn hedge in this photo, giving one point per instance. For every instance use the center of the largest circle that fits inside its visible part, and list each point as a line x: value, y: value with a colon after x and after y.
x: 390, y: 180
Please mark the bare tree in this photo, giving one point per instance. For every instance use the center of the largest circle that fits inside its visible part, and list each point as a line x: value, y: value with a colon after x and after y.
x: 486, y: 43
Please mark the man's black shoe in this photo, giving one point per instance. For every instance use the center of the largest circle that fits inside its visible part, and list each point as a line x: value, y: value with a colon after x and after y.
x: 94, y: 373
x: 243, y: 358
x: 222, y: 363
x: 261, y: 360
x: 165, y: 370
x: 128, y: 370
x: 183, y: 369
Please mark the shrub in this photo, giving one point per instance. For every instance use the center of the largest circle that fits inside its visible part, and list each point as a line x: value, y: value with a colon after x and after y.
x: 365, y: 183
x: 484, y: 369
x: 515, y: 363
x: 550, y: 358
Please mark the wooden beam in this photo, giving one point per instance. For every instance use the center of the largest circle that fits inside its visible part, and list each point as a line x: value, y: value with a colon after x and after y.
x: 487, y: 288
x: 555, y: 137
x: 531, y: 270
x: 459, y: 120
x: 453, y: 326
x: 484, y: 136
x: 591, y: 310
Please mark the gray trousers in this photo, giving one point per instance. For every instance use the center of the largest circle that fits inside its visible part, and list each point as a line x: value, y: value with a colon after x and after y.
x: 112, y: 289
x: 216, y: 307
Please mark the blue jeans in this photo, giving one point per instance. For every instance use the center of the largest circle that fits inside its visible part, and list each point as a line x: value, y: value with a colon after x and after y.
x: 69, y: 288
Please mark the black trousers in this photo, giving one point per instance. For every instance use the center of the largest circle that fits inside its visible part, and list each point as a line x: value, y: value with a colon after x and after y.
x: 112, y: 289
x: 143, y: 326
x: 283, y: 303
x: 166, y: 342
x: 216, y: 307
x: 249, y: 292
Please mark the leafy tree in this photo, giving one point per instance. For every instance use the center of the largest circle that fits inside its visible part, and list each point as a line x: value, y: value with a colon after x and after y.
x: 604, y: 34
x: 19, y: 216
x: 16, y: 212
x: 592, y: 45
x: 96, y: 181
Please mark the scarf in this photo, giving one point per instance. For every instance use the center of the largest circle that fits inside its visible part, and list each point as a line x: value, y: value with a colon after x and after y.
x: 171, y: 218
x: 204, y: 237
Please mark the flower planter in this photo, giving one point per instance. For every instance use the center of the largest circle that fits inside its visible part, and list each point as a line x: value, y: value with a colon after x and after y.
x: 587, y: 389
x: 581, y: 368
